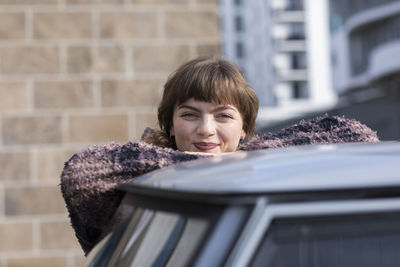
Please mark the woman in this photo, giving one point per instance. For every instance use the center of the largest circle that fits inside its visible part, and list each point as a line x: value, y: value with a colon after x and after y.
x: 207, y: 107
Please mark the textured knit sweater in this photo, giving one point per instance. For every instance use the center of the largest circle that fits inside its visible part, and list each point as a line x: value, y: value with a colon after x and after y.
x: 90, y: 178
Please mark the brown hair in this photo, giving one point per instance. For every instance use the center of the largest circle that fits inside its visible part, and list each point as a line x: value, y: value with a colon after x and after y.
x: 208, y: 79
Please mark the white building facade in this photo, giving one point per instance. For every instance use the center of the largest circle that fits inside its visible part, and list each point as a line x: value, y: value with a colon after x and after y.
x: 246, y: 41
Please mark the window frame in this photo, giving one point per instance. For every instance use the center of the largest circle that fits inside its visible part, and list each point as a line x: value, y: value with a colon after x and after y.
x: 265, y: 214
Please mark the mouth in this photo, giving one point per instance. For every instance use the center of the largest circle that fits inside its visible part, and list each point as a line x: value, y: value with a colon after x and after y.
x: 204, y: 146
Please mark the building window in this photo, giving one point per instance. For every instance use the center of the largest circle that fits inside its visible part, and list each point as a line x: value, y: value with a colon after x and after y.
x: 295, y: 5
x: 238, y: 24
x: 300, y: 89
x: 296, y: 31
x: 239, y: 50
x: 298, y: 60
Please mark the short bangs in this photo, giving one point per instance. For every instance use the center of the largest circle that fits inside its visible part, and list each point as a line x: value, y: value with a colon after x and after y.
x: 210, y: 83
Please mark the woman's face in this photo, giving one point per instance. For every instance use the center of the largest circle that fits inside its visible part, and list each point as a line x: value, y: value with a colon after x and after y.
x: 207, y: 127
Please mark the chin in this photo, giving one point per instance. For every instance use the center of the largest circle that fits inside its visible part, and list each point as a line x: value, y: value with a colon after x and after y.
x: 215, y: 151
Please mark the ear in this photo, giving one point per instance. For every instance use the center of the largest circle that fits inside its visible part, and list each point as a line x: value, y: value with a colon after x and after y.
x: 243, y: 135
x: 172, y: 131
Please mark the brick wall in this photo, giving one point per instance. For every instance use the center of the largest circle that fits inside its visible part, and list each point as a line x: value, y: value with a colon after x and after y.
x: 73, y: 73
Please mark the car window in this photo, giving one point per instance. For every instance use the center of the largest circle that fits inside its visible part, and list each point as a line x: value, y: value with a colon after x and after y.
x: 194, y: 231
x: 345, y: 241
x: 135, y: 230
x: 154, y: 240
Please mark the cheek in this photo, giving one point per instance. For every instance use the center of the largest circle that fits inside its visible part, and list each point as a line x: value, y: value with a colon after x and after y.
x: 182, y: 131
x: 232, y: 134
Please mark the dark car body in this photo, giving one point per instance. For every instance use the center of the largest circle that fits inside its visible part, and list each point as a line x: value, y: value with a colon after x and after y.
x: 328, y: 205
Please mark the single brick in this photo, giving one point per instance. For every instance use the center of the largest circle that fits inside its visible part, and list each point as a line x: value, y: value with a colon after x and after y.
x: 208, y: 49
x: 130, y: 93
x: 12, y: 26
x: 14, y: 166
x: 164, y: 58
x: 38, y: 200
x: 29, y: 60
x: 51, y: 163
x: 128, y: 25
x: 153, y: 2
x: 62, y: 25
x: 28, y: 2
x: 16, y: 237
x: 63, y: 94
x: 193, y: 24
x: 37, y: 261
x: 80, y: 260
x: 13, y: 96
x: 98, y: 128
x: 32, y: 130
x: 94, y: 2
x: 57, y: 235
x: 97, y: 59
x: 207, y: 2
x: 144, y: 120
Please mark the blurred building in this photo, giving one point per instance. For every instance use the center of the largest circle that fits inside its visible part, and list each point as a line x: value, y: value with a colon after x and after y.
x: 274, y: 42
x: 364, y: 40
x: 246, y: 35
x: 365, y: 44
x: 334, y: 56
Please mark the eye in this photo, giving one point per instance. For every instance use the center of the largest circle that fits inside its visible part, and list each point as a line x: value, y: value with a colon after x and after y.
x: 224, y: 116
x: 188, y: 115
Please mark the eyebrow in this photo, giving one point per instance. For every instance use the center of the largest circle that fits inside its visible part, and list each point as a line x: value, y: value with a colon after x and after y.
x: 219, y: 108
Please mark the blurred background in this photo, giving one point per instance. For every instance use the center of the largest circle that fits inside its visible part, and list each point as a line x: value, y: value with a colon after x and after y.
x: 79, y: 72
x: 307, y: 57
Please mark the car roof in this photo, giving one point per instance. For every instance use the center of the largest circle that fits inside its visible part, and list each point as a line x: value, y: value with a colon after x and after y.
x: 301, y: 168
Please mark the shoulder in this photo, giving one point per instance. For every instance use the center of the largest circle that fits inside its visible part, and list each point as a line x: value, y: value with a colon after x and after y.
x: 90, y: 179
x: 327, y: 129
x: 94, y: 161
x: 158, y: 138
x: 114, y: 163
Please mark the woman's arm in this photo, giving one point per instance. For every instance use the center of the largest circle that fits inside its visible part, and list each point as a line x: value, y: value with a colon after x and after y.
x: 89, y: 180
x: 321, y: 130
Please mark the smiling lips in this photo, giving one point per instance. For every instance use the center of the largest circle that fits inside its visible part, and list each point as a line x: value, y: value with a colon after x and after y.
x: 203, y: 146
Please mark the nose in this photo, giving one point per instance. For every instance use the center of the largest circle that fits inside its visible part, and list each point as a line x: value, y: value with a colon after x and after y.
x: 206, y: 127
